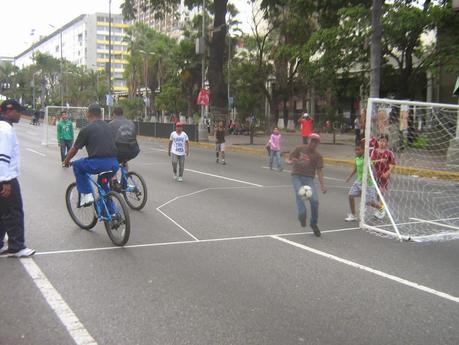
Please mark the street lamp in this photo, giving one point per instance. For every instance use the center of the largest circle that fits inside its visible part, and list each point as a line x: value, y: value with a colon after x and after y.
x: 61, y: 92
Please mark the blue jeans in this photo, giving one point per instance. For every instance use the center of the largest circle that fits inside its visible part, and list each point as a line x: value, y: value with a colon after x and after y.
x: 298, y: 181
x: 93, y: 166
x: 65, y: 146
x: 276, y: 154
x: 12, y: 218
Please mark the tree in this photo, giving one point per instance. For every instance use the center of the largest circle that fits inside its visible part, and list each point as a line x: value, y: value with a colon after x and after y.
x: 216, y: 44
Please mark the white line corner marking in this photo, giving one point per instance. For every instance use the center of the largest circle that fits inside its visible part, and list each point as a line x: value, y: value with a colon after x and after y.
x: 371, y: 270
x: 75, y: 328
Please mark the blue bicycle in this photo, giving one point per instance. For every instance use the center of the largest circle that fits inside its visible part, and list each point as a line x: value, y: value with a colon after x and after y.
x: 108, y: 207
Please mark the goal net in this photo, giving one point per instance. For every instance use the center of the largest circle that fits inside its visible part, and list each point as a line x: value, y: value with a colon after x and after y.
x: 52, y: 116
x: 411, y: 169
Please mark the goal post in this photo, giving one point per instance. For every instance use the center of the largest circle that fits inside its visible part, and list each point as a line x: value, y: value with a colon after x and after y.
x: 52, y: 114
x: 420, y: 193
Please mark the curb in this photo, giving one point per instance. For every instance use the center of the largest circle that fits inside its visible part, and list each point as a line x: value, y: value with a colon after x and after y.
x: 410, y: 171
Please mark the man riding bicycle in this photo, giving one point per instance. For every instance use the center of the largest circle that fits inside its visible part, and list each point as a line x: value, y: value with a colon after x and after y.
x: 99, y: 142
x: 125, y: 136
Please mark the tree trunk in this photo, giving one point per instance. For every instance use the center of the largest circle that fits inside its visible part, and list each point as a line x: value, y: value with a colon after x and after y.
x: 375, y: 62
x: 219, y: 97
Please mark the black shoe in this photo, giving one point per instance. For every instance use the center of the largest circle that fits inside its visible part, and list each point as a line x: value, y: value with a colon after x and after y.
x: 302, y: 219
x: 316, y: 229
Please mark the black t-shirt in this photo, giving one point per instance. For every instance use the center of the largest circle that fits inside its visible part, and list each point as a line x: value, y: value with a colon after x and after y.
x: 220, y: 136
x: 98, y: 139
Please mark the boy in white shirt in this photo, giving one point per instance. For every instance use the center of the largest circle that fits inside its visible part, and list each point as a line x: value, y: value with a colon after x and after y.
x: 178, y: 147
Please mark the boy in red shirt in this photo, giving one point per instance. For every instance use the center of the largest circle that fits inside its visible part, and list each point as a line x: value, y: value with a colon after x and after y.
x: 383, y: 161
x: 306, y: 126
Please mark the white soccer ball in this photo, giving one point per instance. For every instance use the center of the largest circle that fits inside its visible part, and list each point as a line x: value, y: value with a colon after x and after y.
x: 305, y: 192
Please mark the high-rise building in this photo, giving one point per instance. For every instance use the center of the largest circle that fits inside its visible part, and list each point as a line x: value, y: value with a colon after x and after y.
x: 84, y: 41
x: 171, y: 24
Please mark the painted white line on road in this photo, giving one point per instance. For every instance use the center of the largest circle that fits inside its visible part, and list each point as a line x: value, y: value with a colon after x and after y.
x: 71, y: 322
x: 163, y: 244
x: 36, y: 152
x: 178, y: 225
x: 159, y: 150
x: 325, y: 177
x: 371, y: 270
x: 224, y: 178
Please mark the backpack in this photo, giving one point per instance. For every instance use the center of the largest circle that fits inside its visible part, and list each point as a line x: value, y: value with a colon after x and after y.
x: 126, y: 133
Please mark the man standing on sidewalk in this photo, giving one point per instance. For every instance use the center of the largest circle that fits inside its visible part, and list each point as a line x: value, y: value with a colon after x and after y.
x: 306, y: 126
x: 11, y: 211
x: 307, y: 162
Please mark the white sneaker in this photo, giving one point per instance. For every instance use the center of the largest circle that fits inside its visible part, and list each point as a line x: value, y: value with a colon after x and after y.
x: 350, y: 218
x: 86, y: 199
x: 4, y: 249
x: 180, y: 178
x: 380, y: 214
x: 23, y: 253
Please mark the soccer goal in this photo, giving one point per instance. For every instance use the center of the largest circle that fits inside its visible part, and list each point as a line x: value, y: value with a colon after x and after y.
x: 418, y: 142
x: 52, y: 115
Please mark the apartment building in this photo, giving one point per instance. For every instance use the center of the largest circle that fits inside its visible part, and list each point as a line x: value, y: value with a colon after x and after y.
x: 170, y: 25
x: 84, y: 41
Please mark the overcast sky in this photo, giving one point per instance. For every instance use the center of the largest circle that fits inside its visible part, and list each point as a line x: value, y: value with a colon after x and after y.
x: 19, y: 17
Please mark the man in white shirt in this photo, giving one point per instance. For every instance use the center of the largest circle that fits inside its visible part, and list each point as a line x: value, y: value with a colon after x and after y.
x: 11, y: 211
x: 178, y: 147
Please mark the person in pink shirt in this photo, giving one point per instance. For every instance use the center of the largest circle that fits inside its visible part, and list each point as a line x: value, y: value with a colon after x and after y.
x: 274, y: 145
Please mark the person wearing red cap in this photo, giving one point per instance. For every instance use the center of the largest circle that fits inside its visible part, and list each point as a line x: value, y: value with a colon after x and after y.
x: 307, y: 163
x: 178, y: 147
x: 11, y: 210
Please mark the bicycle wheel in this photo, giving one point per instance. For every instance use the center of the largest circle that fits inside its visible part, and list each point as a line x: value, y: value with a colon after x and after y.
x: 135, y: 193
x: 119, y: 228
x: 84, y: 217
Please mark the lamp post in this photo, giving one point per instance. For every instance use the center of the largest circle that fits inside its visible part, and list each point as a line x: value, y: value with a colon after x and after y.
x: 61, y: 92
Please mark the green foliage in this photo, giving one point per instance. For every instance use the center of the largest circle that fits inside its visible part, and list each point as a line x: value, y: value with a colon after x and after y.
x: 132, y: 108
x: 170, y: 99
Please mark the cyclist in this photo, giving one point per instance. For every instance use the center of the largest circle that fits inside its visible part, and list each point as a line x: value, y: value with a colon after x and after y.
x: 125, y: 136
x: 99, y: 142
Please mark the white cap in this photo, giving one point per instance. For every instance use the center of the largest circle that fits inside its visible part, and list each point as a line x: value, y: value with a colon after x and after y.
x: 305, y: 115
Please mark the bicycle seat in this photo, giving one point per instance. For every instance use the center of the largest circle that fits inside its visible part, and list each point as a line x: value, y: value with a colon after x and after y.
x: 107, y: 174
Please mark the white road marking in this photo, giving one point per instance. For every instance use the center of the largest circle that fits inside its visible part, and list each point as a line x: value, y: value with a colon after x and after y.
x: 371, y: 270
x: 435, y: 223
x: 163, y: 244
x: 178, y: 225
x: 325, y: 177
x: 159, y: 150
x: 224, y: 178
x: 71, y: 322
x: 36, y: 152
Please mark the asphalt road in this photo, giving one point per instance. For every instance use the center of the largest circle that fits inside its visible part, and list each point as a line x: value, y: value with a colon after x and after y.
x: 218, y: 259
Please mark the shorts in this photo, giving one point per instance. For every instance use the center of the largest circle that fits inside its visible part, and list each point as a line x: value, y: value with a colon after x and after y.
x: 220, y: 147
x: 126, y: 152
x: 383, y: 183
x: 356, y: 191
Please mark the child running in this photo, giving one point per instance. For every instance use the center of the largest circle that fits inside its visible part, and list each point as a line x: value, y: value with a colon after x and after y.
x: 274, y: 145
x: 178, y: 147
x: 356, y: 189
x: 383, y: 161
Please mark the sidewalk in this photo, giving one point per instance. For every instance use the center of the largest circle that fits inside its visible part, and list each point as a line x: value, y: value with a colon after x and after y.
x: 340, y: 152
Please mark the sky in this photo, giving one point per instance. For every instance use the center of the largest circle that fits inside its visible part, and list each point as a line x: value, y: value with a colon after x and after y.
x: 41, y: 14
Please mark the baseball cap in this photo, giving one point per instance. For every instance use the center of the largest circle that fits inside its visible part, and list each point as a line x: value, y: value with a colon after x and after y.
x: 178, y: 124
x: 315, y: 136
x: 305, y: 115
x: 11, y: 104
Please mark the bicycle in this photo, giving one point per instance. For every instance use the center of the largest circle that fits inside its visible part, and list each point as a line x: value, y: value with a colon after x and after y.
x: 133, y: 188
x: 107, y: 207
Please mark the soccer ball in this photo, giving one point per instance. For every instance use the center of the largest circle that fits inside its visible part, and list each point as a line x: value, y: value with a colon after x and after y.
x: 305, y: 192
